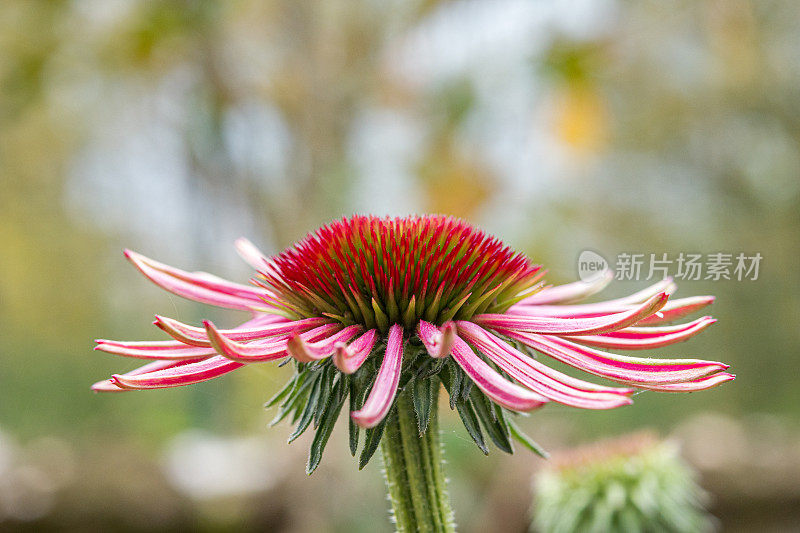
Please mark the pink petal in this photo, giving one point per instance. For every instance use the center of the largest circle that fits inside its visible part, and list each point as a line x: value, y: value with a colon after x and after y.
x: 573, y: 326
x: 153, y: 349
x: 200, y: 286
x: 108, y: 385
x: 250, y: 254
x: 666, y: 285
x: 673, y: 309
x: 384, y: 390
x: 439, y: 343
x: 263, y: 319
x: 632, y: 370
x: 171, y: 349
x: 678, y: 309
x: 643, y: 338
x: 262, y: 351
x: 495, y: 386
x: 598, y: 308
x: 306, y: 352
x: 198, y: 337
x: 177, y: 376
x: 540, y: 378
x: 694, y: 385
x: 348, y: 359
x: 577, y: 290
x: 259, y: 351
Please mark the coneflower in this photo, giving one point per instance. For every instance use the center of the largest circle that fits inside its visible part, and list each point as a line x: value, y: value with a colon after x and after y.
x: 377, y: 312
x: 631, y: 483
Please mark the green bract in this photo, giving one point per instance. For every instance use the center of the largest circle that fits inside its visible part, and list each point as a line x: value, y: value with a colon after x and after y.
x: 644, y: 486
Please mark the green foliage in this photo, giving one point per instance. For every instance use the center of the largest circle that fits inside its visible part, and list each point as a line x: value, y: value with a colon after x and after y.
x: 316, y: 393
x: 648, y: 490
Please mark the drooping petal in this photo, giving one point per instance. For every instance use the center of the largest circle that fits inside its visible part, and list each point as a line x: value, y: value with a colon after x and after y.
x: 306, y: 352
x: 694, y: 385
x: 172, y: 349
x: 349, y: 358
x: 571, y: 292
x: 540, y: 378
x: 250, y: 253
x: 384, y: 390
x: 439, y: 343
x: 678, y: 309
x: 630, y: 370
x: 153, y: 349
x: 261, y: 350
x: 665, y: 285
x: 644, y: 338
x: 573, y: 326
x: 673, y: 309
x: 495, y: 386
x: 197, y: 336
x: 258, y: 351
x: 108, y: 385
x: 177, y: 376
x: 263, y: 319
x: 200, y: 286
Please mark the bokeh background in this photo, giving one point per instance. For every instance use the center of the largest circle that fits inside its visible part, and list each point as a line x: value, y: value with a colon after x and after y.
x: 173, y: 127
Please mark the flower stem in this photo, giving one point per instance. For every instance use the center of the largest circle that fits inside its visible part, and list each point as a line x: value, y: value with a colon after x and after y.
x: 413, y: 470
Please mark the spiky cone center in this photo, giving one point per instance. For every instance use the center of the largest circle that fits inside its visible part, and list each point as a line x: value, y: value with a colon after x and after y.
x: 376, y: 272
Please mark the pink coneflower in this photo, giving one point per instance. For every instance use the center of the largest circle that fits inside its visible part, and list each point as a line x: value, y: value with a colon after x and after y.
x: 370, y: 306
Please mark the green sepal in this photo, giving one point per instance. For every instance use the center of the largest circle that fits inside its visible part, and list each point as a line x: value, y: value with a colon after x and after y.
x: 329, y: 373
x: 309, y: 410
x: 352, y: 428
x: 456, y: 381
x: 327, y: 421
x: 497, y: 431
x: 371, y: 442
x: 295, y: 400
x: 423, y: 395
x: 526, y: 441
x: 285, y: 391
x: 470, y: 420
x: 501, y: 417
x: 431, y: 368
x: 466, y: 387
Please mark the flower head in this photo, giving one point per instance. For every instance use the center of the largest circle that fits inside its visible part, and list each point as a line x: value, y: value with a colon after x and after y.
x: 366, y: 306
x: 633, y: 483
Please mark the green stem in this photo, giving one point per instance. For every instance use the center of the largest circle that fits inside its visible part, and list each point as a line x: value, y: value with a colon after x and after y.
x: 413, y: 470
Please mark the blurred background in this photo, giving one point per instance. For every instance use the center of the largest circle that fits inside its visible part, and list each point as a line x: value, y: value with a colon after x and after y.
x: 173, y: 127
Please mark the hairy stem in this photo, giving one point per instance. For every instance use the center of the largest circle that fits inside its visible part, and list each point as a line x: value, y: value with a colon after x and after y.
x: 414, y: 472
